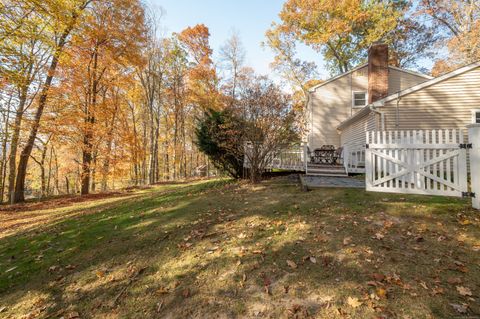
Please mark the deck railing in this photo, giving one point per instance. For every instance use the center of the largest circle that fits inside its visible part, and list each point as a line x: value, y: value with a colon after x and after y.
x: 354, y: 158
x: 288, y: 157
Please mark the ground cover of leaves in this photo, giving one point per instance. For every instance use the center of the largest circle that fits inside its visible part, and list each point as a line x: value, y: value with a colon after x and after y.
x: 222, y: 249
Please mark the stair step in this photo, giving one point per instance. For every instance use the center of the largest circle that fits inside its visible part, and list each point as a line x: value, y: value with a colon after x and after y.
x: 327, y: 174
x: 327, y: 171
x: 325, y: 166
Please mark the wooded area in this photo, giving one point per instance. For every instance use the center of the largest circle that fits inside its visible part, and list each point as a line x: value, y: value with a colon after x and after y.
x: 93, y: 97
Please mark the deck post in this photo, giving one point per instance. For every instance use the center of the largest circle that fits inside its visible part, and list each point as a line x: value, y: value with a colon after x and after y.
x: 346, y: 157
x: 474, y: 139
x: 305, y: 156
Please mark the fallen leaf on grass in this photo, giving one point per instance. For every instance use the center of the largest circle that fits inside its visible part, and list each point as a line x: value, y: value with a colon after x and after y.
x: 242, y: 235
x: 53, y: 268
x: 464, y: 291
x: 379, y: 236
x: 292, y: 264
x: 424, y: 285
x: 454, y: 280
x: 73, y: 315
x: 162, y: 290
x: 347, y: 240
x: 378, y: 277
x: 159, y: 306
x: 312, y: 259
x: 297, y: 311
x: 438, y: 291
x: 353, y: 302
x: 381, y: 293
x: 459, y: 308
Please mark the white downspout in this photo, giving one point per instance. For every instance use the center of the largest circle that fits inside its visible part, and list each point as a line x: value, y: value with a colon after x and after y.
x: 382, y: 118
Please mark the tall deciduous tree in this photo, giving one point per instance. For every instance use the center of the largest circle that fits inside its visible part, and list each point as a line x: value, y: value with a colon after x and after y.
x: 458, y: 21
x: 232, y: 55
x: 268, y: 121
x: 112, y: 37
x: 343, y: 30
x: 65, y: 16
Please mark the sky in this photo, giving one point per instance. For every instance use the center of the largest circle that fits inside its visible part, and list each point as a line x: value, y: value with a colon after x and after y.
x: 250, y: 18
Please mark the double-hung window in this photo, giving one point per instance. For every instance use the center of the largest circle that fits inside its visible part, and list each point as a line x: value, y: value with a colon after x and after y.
x: 359, y: 99
x: 476, y: 116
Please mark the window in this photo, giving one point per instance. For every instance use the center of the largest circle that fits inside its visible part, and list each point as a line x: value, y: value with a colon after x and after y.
x: 359, y: 99
x: 475, y: 116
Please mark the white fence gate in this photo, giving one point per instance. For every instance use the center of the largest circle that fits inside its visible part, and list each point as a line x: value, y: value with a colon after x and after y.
x: 430, y: 162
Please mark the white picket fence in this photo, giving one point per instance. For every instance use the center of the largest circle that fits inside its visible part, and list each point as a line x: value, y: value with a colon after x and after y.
x: 430, y: 162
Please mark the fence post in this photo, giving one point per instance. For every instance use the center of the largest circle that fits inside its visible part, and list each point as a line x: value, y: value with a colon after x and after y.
x: 474, y: 139
x: 368, y: 164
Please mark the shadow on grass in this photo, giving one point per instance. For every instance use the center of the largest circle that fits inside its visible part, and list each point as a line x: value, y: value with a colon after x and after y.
x: 216, y: 248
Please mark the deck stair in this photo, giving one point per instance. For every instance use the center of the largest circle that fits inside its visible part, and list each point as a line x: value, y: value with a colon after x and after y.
x: 326, y: 170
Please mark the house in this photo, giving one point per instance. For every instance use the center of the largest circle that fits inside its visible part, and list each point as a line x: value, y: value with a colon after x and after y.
x: 376, y: 96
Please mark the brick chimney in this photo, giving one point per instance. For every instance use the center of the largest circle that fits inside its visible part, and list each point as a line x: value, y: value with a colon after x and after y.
x: 377, y: 72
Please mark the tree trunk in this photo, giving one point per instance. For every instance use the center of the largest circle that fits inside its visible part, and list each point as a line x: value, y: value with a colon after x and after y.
x: 12, y: 159
x: 19, y: 195
x: 67, y: 185
x: 106, y: 163
x: 3, y: 169
x: 49, y: 171
x: 88, y: 152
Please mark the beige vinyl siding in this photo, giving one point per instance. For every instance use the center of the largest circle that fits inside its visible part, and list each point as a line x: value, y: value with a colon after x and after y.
x: 354, y: 135
x: 331, y: 104
x: 446, y: 105
x: 398, y: 80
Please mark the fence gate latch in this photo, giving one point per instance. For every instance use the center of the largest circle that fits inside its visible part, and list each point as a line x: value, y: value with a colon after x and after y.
x: 466, y: 146
x: 468, y: 194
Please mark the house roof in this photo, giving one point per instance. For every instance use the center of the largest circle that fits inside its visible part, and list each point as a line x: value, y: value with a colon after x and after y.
x: 364, y: 111
x: 427, y: 84
x: 313, y: 88
x: 411, y: 72
x: 372, y: 107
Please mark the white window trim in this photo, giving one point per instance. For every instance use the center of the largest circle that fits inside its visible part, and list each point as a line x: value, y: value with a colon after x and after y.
x: 474, y: 113
x: 353, y: 99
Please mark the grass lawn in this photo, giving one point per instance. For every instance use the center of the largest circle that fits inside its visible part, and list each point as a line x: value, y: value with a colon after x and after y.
x: 219, y: 249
